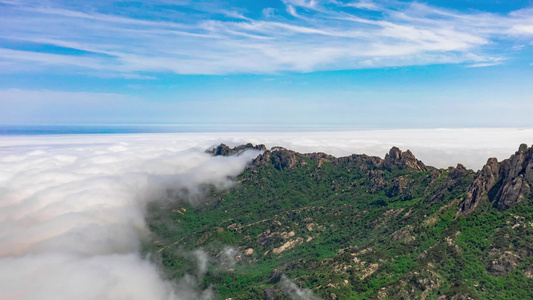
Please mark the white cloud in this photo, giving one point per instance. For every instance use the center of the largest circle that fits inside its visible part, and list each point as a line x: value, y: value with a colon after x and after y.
x: 72, y: 212
x: 52, y: 59
x: 292, y: 11
x: 525, y: 29
x: 302, y: 3
x: 324, y: 35
x: 268, y: 12
x: 294, y: 291
x: 363, y: 4
x: 482, y: 65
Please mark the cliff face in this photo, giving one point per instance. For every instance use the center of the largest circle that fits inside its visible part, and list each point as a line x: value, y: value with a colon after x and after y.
x: 504, y: 183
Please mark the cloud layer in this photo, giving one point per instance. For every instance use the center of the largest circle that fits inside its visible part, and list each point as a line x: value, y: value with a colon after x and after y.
x: 72, y: 206
x: 204, y: 37
x: 72, y: 213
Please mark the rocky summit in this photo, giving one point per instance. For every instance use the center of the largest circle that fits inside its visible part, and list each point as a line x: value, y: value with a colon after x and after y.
x: 225, y: 150
x: 504, y: 183
x: 315, y: 226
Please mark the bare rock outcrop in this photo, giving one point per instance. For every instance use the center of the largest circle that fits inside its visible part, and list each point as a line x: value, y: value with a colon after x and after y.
x: 513, y: 192
x: 283, y: 158
x: 225, y: 150
x: 504, y: 184
x: 279, y: 157
x: 458, y: 172
x: 262, y: 159
x: 503, y: 263
x: 376, y: 181
x: 397, y: 186
x: 402, y: 160
x: 457, y: 176
x: 484, y: 181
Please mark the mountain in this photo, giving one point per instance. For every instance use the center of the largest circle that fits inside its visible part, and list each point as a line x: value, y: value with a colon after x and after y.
x: 306, y: 226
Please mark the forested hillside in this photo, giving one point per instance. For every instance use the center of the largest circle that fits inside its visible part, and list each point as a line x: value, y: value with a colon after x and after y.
x: 299, y: 226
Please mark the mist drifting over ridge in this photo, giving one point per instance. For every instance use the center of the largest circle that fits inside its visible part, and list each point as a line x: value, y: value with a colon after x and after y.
x: 72, y: 214
x: 72, y: 207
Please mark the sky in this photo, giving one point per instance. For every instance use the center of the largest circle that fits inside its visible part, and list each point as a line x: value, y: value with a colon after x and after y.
x: 331, y: 63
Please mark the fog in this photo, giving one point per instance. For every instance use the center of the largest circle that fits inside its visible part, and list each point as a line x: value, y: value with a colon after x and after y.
x: 72, y: 207
x: 72, y: 212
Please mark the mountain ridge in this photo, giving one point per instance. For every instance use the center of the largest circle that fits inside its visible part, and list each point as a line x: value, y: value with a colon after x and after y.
x: 357, y: 227
x: 511, y: 178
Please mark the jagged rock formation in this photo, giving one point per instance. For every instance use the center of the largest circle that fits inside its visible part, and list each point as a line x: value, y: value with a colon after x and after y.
x: 458, y: 176
x: 358, y: 226
x: 484, y: 180
x: 402, y: 160
x: 283, y: 158
x: 504, y: 184
x: 262, y: 159
x: 224, y: 150
x: 395, y: 159
x: 280, y: 157
x: 362, y: 161
x: 458, y: 172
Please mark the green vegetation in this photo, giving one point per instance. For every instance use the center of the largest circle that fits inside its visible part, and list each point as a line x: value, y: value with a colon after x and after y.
x: 349, y: 229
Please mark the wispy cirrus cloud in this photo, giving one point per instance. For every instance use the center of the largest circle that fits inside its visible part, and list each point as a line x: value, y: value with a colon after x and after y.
x: 310, y: 35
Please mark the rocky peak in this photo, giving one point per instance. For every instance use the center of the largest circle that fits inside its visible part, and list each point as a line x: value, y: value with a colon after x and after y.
x: 504, y: 184
x: 403, y: 160
x: 394, y: 153
x: 320, y: 158
x: 458, y: 172
x: 262, y: 159
x: 516, y: 178
x: 283, y: 158
x: 279, y: 157
x: 512, y: 192
x: 225, y: 150
x: 520, y: 163
x: 478, y: 191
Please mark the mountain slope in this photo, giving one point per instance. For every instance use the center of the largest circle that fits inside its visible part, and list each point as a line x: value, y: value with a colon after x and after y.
x: 356, y: 227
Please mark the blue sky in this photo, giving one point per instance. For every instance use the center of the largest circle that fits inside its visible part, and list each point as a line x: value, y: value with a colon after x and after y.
x: 353, y: 64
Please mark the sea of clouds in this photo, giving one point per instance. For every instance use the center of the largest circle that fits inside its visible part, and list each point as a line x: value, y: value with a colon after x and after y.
x: 72, y: 207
